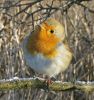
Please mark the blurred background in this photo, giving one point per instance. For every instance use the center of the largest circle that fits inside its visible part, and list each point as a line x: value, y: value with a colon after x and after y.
x: 19, y: 17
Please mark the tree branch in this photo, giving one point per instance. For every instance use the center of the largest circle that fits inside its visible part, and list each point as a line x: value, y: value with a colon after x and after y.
x: 18, y: 83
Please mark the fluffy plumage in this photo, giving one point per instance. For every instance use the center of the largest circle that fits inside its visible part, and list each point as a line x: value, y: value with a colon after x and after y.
x: 44, y: 50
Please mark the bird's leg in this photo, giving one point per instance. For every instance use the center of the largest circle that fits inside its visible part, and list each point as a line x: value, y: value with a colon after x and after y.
x: 48, y: 80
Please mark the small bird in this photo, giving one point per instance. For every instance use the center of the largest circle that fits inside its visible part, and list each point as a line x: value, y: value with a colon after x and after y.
x: 45, y: 50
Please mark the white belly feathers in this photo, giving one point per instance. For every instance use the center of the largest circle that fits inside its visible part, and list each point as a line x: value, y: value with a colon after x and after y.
x: 43, y: 65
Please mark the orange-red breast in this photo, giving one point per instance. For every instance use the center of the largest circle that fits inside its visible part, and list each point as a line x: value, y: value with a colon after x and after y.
x: 44, y: 50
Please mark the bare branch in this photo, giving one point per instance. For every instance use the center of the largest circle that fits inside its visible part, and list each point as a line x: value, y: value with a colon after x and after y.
x: 18, y: 83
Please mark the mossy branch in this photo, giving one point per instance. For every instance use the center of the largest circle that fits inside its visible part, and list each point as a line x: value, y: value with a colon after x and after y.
x: 18, y: 83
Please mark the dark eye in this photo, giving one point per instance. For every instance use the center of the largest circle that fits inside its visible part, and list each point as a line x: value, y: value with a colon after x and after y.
x: 52, y: 31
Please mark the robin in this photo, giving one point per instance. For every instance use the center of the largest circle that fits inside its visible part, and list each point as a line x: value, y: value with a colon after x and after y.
x: 45, y: 50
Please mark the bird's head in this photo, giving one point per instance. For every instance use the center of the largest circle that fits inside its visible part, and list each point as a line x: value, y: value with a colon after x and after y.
x: 46, y: 37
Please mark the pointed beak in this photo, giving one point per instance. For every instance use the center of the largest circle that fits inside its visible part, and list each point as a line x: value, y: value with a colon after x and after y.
x: 40, y: 31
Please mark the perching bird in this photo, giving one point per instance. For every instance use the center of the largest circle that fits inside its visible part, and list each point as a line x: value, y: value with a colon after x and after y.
x: 44, y: 49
